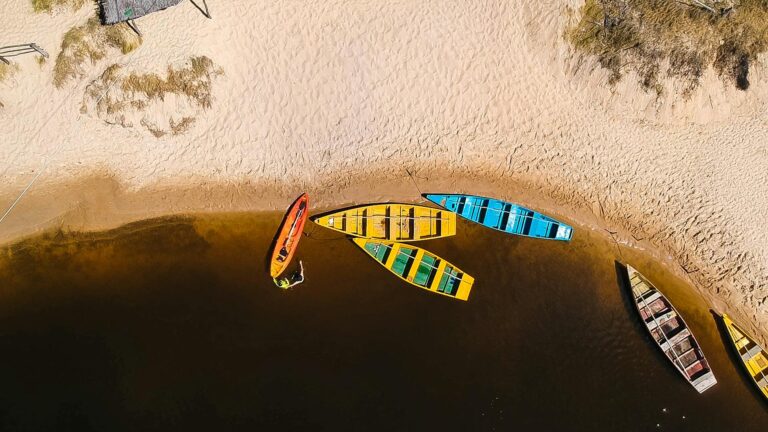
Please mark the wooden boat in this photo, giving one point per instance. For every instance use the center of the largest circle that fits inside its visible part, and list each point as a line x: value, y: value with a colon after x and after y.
x: 419, y: 267
x: 503, y: 216
x: 670, y: 332
x: 289, y: 235
x: 391, y: 222
x: 753, y: 356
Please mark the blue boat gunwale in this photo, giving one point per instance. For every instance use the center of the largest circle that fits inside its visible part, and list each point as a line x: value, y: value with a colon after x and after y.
x: 429, y: 197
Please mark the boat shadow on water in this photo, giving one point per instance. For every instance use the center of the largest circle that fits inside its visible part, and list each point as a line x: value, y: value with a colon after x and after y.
x: 622, y: 278
x: 735, y: 359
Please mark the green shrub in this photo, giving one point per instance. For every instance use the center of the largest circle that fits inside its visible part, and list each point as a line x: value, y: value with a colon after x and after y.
x: 49, y: 5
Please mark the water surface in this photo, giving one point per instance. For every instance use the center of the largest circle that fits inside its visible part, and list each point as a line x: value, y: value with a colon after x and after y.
x: 174, y: 324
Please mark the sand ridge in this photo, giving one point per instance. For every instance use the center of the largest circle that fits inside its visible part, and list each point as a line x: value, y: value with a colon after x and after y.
x: 328, y: 95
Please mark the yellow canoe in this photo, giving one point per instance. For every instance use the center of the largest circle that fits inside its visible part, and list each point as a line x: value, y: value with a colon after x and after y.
x: 753, y: 356
x: 391, y: 222
x: 419, y: 267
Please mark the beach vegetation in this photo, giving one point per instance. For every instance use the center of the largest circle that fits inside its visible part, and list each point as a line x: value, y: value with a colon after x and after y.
x: 132, y: 98
x: 680, y: 40
x: 49, y: 5
x: 90, y: 42
x: 153, y: 129
x: 7, y: 70
x: 193, y: 81
x: 181, y: 126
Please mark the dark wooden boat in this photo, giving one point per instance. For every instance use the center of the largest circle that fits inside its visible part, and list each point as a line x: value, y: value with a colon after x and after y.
x: 670, y: 332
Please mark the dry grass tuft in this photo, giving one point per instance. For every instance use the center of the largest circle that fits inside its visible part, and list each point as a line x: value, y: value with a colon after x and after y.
x: 193, y: 81
x: 679, y: 40
x: 7, y: 70
x: 130, y: 99
x: 154, y: 130
x: 182, y: 125
x: 49, y: 5
x: 90, y: 42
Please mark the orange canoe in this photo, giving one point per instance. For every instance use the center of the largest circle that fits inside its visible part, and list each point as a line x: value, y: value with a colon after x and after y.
x: 290, y: 233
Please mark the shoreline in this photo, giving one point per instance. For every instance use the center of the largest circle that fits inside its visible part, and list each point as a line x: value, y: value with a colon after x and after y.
x: 482, y: 98
x: 98, y: 203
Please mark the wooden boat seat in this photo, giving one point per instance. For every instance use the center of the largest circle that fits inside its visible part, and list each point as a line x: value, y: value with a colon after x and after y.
x: 761, y: 360
x: 683, y: 347
x: 652, y: 319
x: 689, y: 358
x: 379, y: 251
x: 659, y: 321
x: 674, y: 337
x: 755, y: 350
x: 671, y: 326
x: 694, y: 368
x: 449, y: 281
x: 763, y: 383
x: 403, y: 261
x: 425, y: 271
x: 689, y: 354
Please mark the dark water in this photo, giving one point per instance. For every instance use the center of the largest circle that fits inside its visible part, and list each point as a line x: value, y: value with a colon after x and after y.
x: 174, y: 325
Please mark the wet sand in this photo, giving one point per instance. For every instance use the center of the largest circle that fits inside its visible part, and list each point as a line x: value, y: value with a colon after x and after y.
x: 174, y: 323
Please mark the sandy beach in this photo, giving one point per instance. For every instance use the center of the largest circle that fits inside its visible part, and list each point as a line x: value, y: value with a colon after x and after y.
x: 344, y: 98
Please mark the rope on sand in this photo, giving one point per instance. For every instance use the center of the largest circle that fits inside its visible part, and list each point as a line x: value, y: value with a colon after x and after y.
x: 24, y: 192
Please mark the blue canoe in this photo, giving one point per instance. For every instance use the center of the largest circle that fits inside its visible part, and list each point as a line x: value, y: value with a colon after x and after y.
x: 503, y: 216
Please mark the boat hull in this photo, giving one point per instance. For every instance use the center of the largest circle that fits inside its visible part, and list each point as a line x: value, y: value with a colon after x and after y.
x: 753, y: 357
x: 419, y: 267
x: 670, y: 332
x: 289, y: 235
x: 503, y: 216
x: 391, y: 222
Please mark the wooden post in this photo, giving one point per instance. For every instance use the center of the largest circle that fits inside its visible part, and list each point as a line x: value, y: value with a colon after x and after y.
x: 205, y: 11
x: 133, y: 26
x: 37, y: 48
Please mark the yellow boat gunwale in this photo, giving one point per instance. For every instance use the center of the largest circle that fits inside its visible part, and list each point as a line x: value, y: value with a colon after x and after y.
x: 465, y: 284
x: 751, y: 365
x: 434, y: 222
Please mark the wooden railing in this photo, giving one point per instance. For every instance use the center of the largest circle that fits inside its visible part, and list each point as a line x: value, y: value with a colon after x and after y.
x: 17, y: 50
